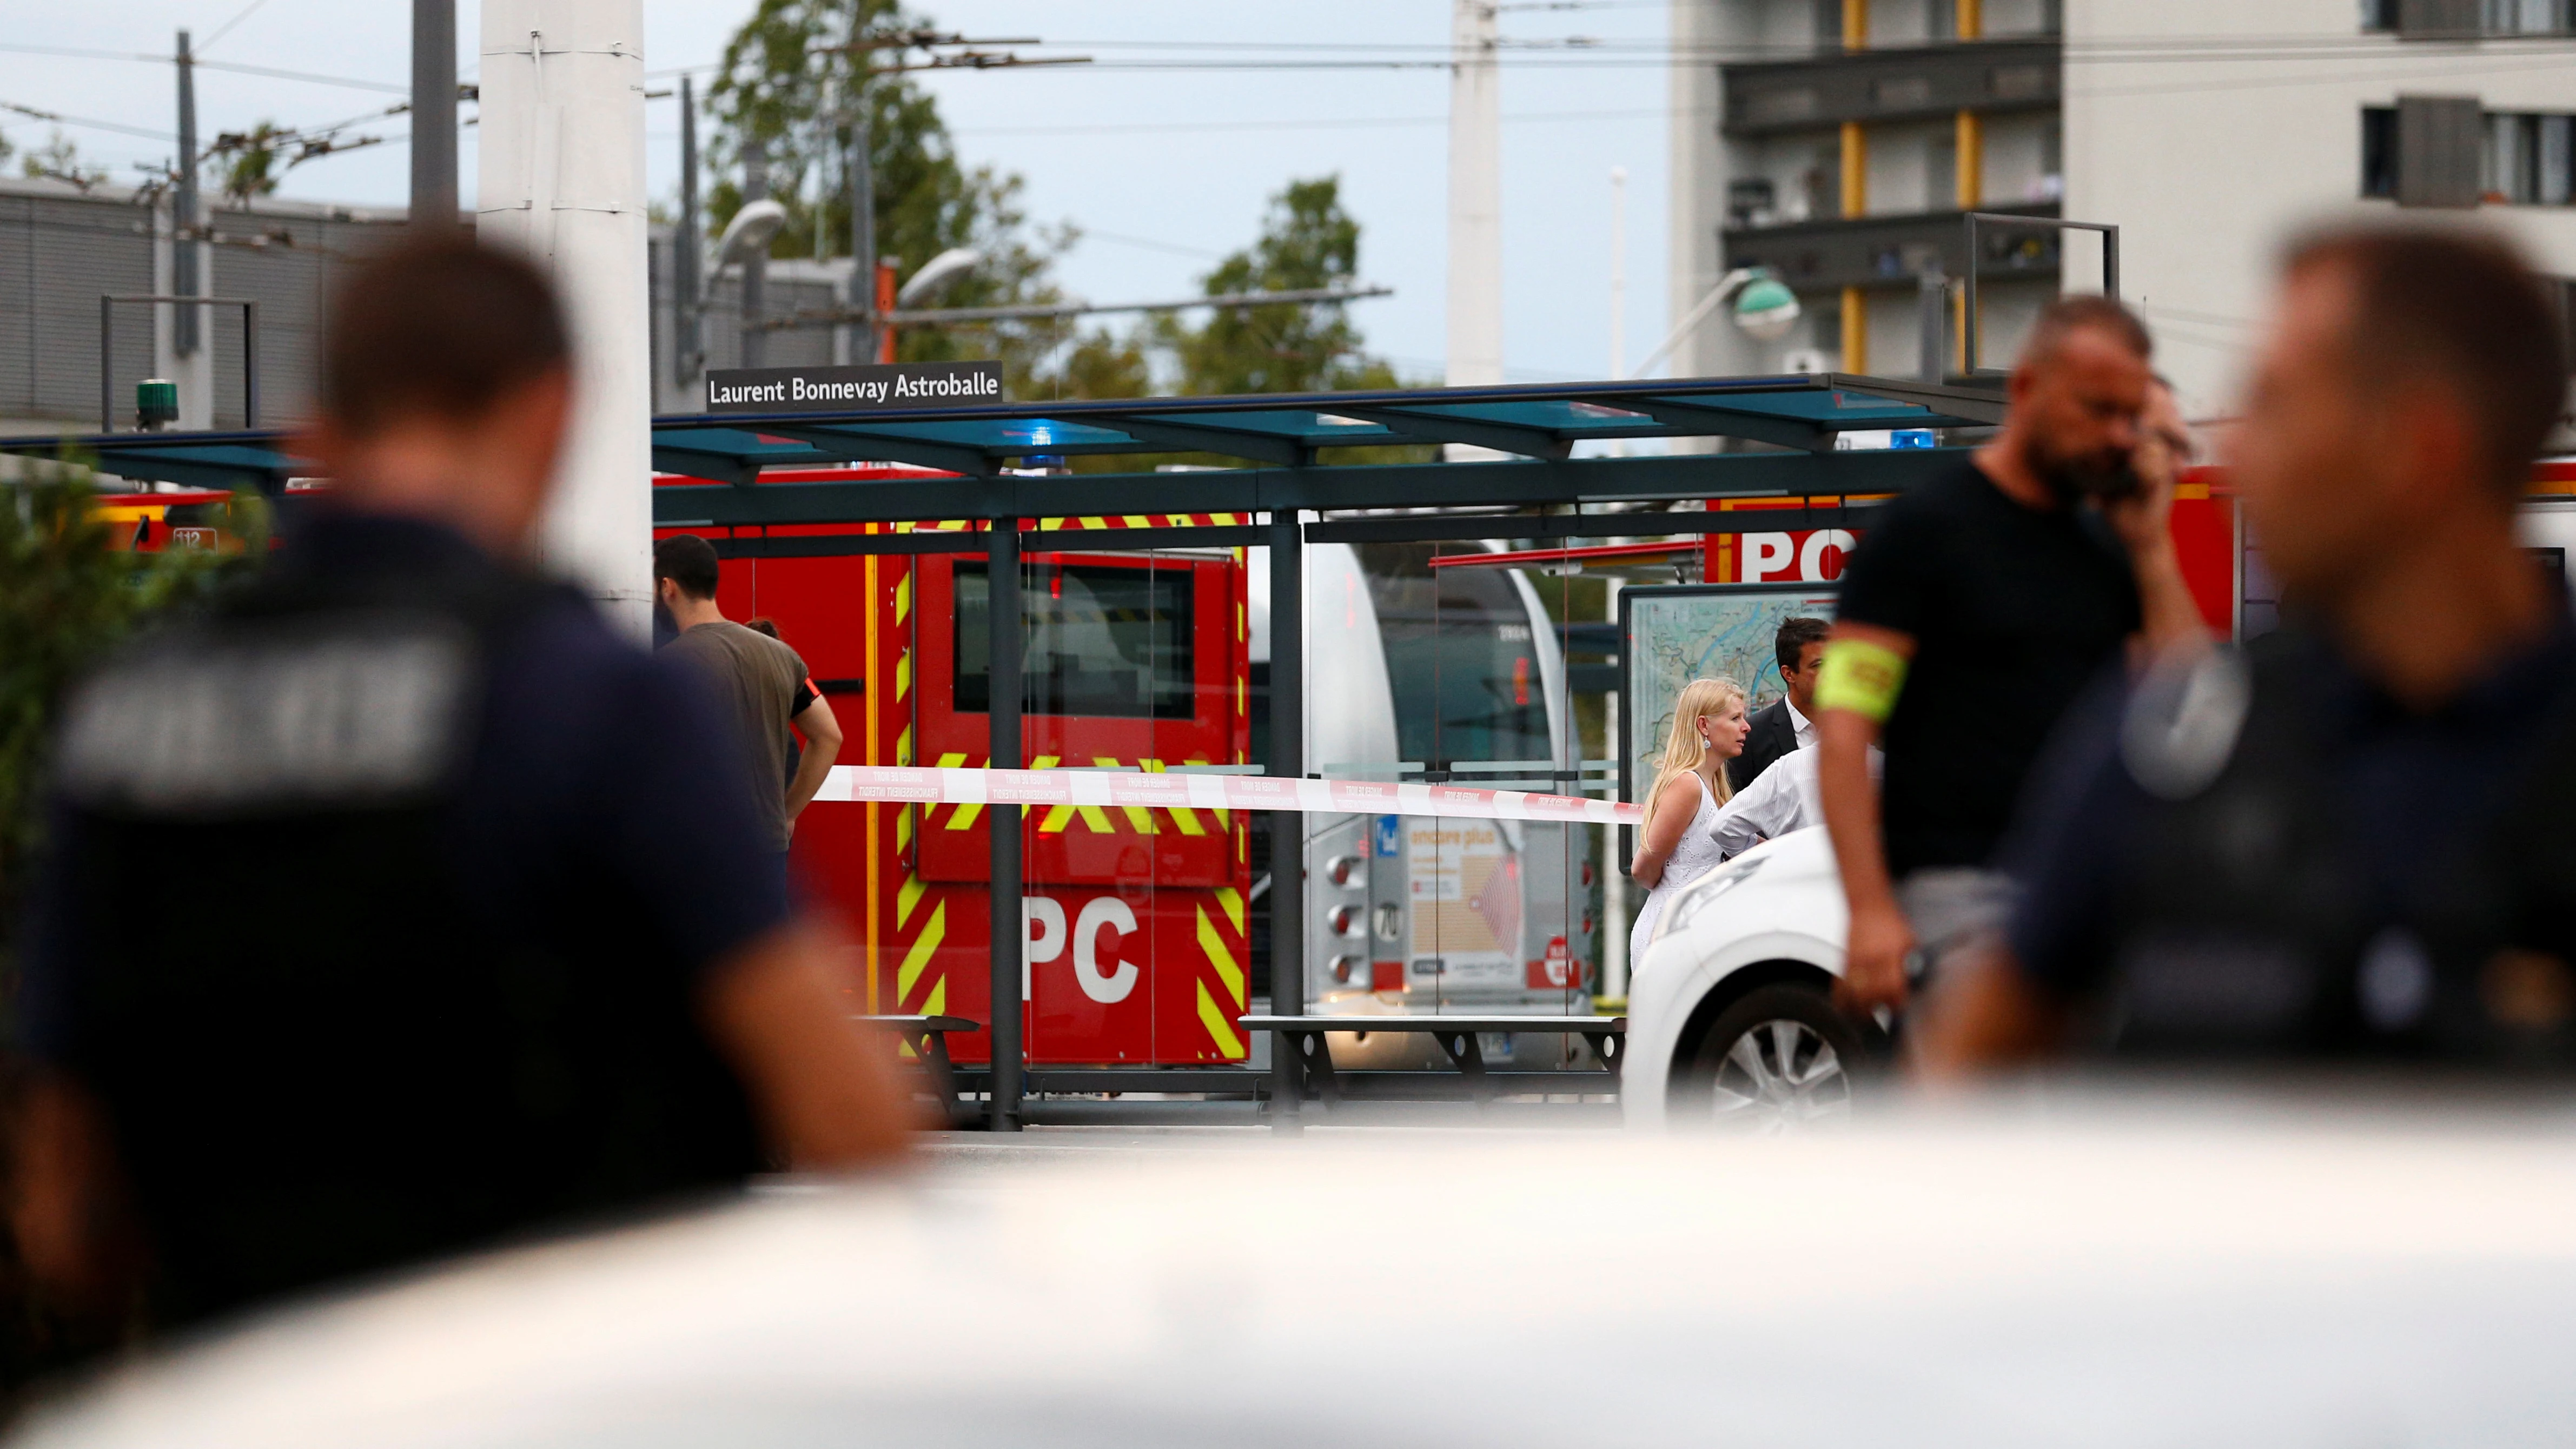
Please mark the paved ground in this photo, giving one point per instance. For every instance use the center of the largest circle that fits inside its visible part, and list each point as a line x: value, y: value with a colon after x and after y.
x: 1093, y: 1143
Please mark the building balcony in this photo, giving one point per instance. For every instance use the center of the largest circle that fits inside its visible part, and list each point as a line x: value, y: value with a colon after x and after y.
x: 1916, y: 83
x: 1891, y: 251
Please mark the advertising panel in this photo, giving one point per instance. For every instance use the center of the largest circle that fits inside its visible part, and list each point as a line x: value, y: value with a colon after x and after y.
x: 1671, y: 635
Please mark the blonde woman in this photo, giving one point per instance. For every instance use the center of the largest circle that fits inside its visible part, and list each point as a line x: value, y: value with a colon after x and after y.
x: 1674, y: 846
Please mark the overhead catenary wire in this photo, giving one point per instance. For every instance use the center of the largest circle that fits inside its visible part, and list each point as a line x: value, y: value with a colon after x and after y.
x: 236, y: 67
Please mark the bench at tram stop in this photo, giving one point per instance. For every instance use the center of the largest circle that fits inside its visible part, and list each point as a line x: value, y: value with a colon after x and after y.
x: 928, y: 1038
x: 1301, y: 1041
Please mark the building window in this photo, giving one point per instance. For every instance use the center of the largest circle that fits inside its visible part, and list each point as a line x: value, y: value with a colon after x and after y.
x: 2427, y: 151
x: 2525, y: 17
x: 2523, y: 158
x: 2527, y: 159
x: 2562, y: 290
x: 2379, y: 151
x: 2437, y: 18
x: 1751, y: 201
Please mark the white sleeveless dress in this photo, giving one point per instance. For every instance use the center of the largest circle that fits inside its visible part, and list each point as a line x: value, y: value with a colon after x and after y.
x: 1694, y: 856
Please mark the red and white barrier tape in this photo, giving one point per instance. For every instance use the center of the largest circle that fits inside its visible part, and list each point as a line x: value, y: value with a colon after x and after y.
x: 916, y: 785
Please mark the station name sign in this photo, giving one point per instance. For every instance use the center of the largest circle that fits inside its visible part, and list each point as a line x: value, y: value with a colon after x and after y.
x: 849, y: 389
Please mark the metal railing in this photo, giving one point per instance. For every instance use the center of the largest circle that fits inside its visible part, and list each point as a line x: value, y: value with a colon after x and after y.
x: 2110, y: 266
x: 107, y: 352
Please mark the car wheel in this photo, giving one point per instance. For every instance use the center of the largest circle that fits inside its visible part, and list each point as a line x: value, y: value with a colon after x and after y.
x: 1778, y: 1061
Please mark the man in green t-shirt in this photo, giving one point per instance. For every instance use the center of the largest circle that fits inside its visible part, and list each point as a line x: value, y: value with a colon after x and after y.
x: 759, y: 679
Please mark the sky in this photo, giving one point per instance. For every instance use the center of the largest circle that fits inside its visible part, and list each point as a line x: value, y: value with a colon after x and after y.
x: 1163, y: 169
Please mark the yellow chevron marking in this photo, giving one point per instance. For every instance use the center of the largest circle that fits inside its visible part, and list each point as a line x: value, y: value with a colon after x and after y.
x: 963, y: 816
x: 1057, y: 816
x: 1232, y: 900
x: 907, y: 896
x: 1224, y: 818
x: 1092, y: 817
x: 903, y: 594
x: 903, y: 674
x: 1220, y: 956
x: 1219, y: 1030
x: 933, y: 931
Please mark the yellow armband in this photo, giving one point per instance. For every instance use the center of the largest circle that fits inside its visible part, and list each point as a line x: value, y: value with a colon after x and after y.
x: 1861, y: 677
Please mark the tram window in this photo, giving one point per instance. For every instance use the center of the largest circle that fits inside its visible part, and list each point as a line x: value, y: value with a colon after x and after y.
x: 1099, y: 640
x: 1460, y: 658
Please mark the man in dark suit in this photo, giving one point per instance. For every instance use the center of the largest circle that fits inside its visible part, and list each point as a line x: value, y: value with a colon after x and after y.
x: 1787, y: 723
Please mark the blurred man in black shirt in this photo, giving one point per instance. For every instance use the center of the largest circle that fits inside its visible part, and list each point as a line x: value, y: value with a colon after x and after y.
x: 399, y: 906
x: 1975, y: 610
x: 2356, y: 837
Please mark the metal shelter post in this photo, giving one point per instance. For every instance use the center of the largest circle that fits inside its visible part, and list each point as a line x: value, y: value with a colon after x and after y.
x: 1002, y: 749
x: 1287, y: 828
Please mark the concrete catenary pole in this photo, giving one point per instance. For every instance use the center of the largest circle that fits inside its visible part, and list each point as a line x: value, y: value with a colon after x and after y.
x: 755, y: 268
x: 688, y: 348
x: 561, y: 165
x: 1618, y: 275
x: 189, y: 219
x: 187, y: 360
x: 863, y: 211
x: 1475, y: 197
x: 433, y: 115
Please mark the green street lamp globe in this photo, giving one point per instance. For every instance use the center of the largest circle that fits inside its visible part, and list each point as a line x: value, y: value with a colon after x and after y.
x: 1766, y: 309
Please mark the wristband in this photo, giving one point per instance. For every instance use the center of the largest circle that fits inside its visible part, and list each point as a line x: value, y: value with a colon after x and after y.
x: 1861, y: 677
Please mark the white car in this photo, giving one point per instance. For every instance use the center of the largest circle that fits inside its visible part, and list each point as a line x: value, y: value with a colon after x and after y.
x: 1730, y: 1017
x: 2121, y: 1273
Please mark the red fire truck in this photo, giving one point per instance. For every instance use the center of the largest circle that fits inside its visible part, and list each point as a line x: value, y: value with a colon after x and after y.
x: 1136, y: 922
x: 1136, y: 946
x: 2204, y: 529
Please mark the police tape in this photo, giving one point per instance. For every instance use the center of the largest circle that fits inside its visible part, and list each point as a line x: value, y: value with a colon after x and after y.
x: 924, y: 785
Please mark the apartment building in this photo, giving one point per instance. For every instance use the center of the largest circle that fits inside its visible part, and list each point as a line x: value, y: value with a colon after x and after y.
x: 1840, y: 142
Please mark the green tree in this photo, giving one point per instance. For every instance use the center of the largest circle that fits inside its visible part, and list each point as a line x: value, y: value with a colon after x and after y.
x: 787, y: 79
x: 61, y: 160
x: 1099, y: 364
x: 1307, y: 240
x: 253, y: 169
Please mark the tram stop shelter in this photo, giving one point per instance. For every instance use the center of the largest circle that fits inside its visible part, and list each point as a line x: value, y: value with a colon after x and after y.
x: 1512, y: 465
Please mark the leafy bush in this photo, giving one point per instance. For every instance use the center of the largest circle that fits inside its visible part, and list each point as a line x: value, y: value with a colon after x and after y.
x: 70, y: 589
